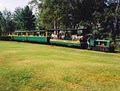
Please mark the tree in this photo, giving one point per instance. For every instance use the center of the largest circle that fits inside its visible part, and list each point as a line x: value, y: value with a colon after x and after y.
x: 101, y: 16
x: 24, y: 19
x: 117, y: 21
x: 66, y: 13
x: 10, y: 26
x: 18, y: 19
x: 36, y: 5
x: 2, y: 23
x: 6, y: 22
x: 107, y: 17
x: 28, y: 18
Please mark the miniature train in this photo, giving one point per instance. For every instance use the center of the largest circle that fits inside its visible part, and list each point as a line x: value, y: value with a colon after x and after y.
x: 67, y: 37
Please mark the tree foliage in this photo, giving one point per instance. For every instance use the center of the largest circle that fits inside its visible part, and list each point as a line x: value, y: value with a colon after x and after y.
x: 106, y: 20
x: 6, y: 22
x: 98, y: 16
x: 24, y: 19
x: 1, y: 23
x: 65, y: 13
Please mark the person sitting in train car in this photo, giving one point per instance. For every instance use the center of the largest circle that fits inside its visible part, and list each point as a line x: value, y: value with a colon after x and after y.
x: 54, y: 36
x: 74, y: 37
x: 112, y: 46
x: 103, y: 44
x: 61, y: 35
x: 67, y: 36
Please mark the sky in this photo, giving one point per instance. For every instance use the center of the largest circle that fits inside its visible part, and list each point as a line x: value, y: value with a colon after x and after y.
x: 12, y: 4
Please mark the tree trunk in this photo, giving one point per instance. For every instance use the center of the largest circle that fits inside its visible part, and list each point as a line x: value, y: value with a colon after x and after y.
x: 55, y: 24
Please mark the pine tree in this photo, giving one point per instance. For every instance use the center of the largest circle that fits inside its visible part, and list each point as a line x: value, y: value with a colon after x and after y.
x: 24, y: 19
x: 28, y: 18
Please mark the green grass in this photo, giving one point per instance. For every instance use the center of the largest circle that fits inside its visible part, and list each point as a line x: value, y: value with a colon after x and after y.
x: 35, y: 67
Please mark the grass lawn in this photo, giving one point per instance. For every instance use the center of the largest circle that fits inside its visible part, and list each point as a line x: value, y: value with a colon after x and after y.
x: 35, y: 67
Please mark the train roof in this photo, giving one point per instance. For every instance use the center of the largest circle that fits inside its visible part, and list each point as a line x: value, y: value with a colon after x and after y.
x: 100, y: 40
x: 64, y: 29
x: 29, y: 31
x: 32, y: 31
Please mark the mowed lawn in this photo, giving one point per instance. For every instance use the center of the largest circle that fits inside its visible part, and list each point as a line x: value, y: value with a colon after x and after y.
x: 35, y: 67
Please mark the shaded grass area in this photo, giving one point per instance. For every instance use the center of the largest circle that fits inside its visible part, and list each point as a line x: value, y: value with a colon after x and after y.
x: 35, y: 67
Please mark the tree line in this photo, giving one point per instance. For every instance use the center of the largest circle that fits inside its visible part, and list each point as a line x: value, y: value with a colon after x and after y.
x: 99, y: 17
x: 22, y: 19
